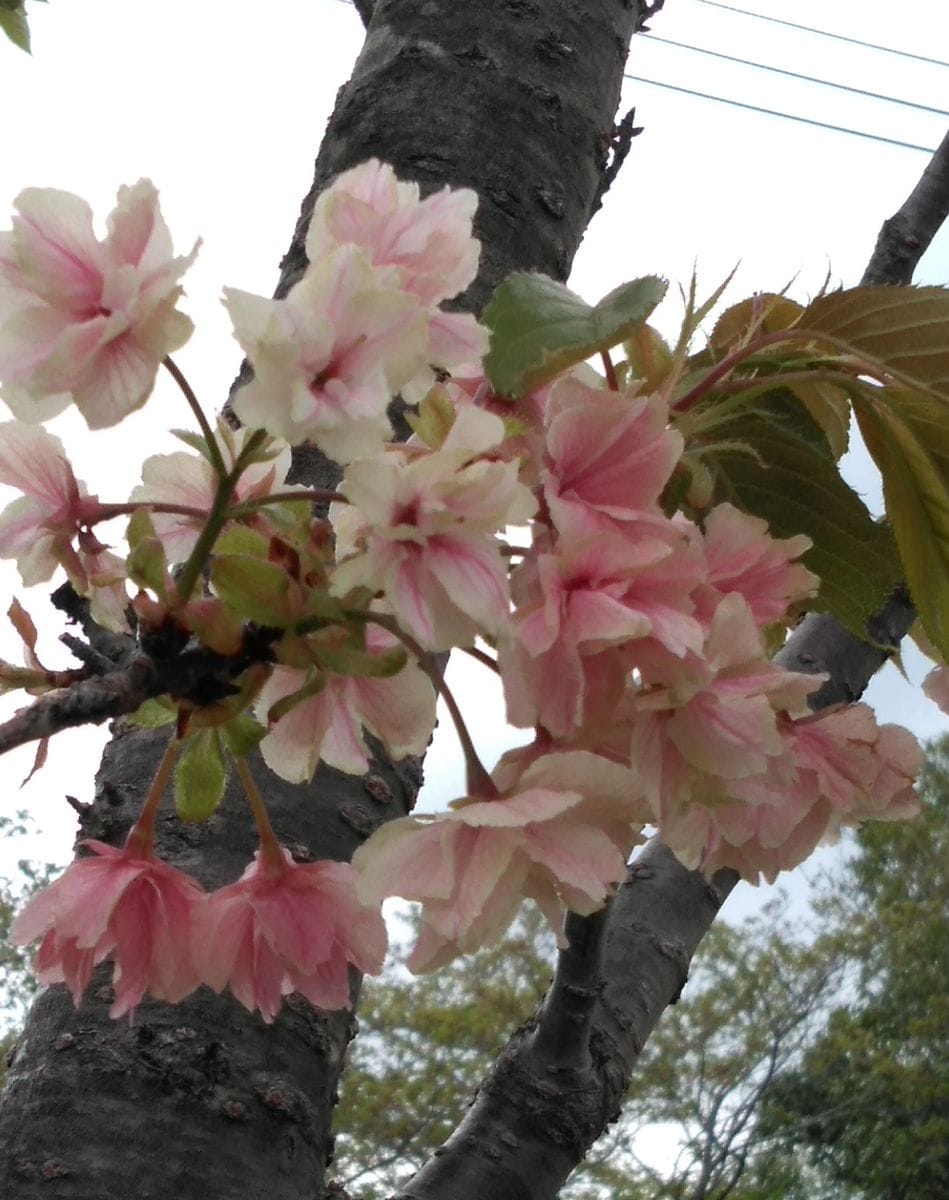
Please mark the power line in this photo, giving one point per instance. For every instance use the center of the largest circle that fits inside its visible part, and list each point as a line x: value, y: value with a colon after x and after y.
x: 838, y: 37
x: 770, y: 112
x: 841, y: 87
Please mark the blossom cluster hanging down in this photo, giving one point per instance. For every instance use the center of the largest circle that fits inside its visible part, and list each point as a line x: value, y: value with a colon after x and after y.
x: 570, y: 529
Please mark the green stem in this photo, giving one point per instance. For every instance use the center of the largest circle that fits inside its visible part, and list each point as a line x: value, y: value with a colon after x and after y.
x: 141, y: 838
x: 187, y: 391
x: 217, y: 518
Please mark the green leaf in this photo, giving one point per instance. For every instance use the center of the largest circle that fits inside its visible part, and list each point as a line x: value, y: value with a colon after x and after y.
x: 239, y: 539
x: 765, y: 312
x: 147, y: 564
x: 540, y: 328
x: 200, y: 776
x: 777, y: 465
x: 256, y: 589
x: 908, y: 436
x: 196, y: 441
x: 829, y: 406
x: 153, y: 713
x: 902, y: 328
x: 242, y: 735
x: 14, y: 24
x: 345, y: 660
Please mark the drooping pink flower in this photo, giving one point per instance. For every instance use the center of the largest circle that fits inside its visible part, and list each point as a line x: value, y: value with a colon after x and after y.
x: 286, y: 927
x: 421, y: 527
x: 327, y: 724
x: 121, y: 904
x: 328, y: 359
x: 560, y: 836
x: 83, y: 319
x: 190, y: 480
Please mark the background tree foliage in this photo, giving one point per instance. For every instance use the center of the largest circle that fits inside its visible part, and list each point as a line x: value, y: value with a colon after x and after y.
x: 868, y: 1106
x: 790, y: 1068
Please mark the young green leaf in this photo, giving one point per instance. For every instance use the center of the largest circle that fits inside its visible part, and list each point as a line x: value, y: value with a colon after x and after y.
x: 902, y: 328
x: 147, y: 563
x: 14, y: 24
x: 152, y: 714
x: 200, y: 776
x: 540, y: 328
x: 242, y: 734
x: 908, y: 436
x: 256, y: 589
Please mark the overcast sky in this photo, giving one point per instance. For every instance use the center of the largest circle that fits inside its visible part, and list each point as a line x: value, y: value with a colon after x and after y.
x: 223, y: 104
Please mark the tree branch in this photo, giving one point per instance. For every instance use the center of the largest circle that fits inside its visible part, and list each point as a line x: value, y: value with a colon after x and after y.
x: 905, y: 237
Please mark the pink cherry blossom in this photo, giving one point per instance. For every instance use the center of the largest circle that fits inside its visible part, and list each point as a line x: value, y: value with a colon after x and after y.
x: 122, y: 904
x: 427, y: 243
x: 592, y: 594
x: 39, y: 528
x: 609, y: 456
x: 936, y: 687
x: 285, y: 928
x: 562, y: 837
x: 327, y: 722
x: 743, y: 557
x: 83, y: 319
x: 191, y: 481
x: 421, y: 526
x: 328, y: 359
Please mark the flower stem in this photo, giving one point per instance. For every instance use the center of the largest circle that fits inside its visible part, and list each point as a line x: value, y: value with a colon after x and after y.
x: 141, y: 838
x: 480, y: 783
x: 315, y: 495
x: 610, y: 370
x: 485, y: 659
x: 187, y: 391
x: 270, y: 848
x: 217, y: 518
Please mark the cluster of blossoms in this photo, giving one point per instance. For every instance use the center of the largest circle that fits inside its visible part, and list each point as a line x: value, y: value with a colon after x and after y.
x: 632, y: 642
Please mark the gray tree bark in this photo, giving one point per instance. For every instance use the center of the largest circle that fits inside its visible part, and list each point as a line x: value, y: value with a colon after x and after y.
x: 517, y: 99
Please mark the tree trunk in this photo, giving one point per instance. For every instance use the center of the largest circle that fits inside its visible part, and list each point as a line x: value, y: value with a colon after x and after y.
x: 516, y: 99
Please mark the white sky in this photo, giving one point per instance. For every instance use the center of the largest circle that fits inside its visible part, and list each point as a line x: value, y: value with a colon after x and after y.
x: 223, y: 104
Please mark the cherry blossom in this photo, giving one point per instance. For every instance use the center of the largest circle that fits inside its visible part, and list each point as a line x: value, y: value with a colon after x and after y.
x: 191, y: 481
x: 328, y: 359
x: 86, y: 320
x: 286, y: 927
x: 48, y: 524
x: 592, y: 594
x: 327, y: 722
x: 936, y: 687
x: 427, y: 243
x: 743, y: 557
x: 420, y: 527
x: 609, y: 456
x: 561, y: 836
x: 119, y: 903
